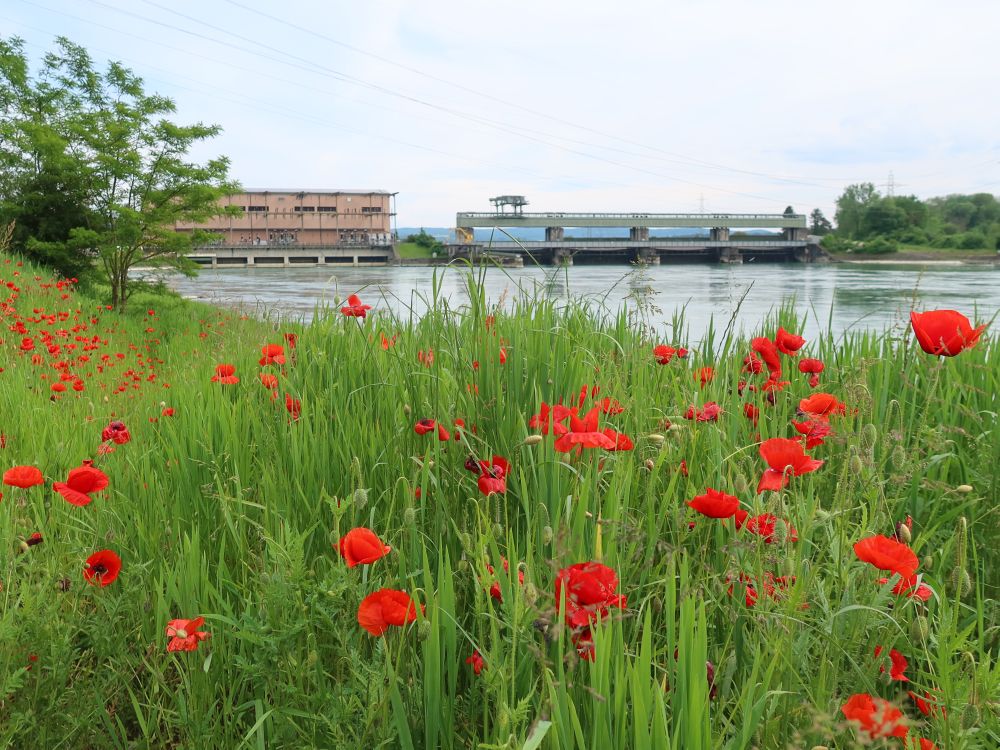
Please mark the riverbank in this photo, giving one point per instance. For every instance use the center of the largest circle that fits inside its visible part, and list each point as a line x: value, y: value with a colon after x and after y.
x: 450, y: 517
x: 924, y: 256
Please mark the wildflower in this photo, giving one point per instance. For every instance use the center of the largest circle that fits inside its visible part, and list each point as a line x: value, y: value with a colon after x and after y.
x: 708, y: 413
x: 788, y: 343
x: 354, y: 308
x: 225, y: 374
x: 821, y: 406
x: 272, y: 354
x: 361, y: 546
x: 927, y: 705
x: 386, y: 607
x: 765, y: 526
x: 715, y: 504
x: 944, y: 332
x: 898, y: 662
x: 292, y: 339
x: 813, y: 431
x: 768, y: 353
x: 429, y: 425
x: 269, y: 380
x: 477, y: 662
x: 704, y: 375
x: 495, y: 590
x: 622, y: 442
x: 184, y: 634
x: 493, y: 476
x: 102, y: 568
x: 388, y: 342
x: 782, y: 455
x: 910, y: 588
x: 293, y: 406
x: 590, y: 592
x: 874, y: 717
x: 751, y: 412
x: 887, y: 554
x: 81, y: 482
x: 116, y: 432
x: 23, y: 477
x: 812, y: 367
x: 583, y: 433
x: 664, y: 353
x: 426, y: 359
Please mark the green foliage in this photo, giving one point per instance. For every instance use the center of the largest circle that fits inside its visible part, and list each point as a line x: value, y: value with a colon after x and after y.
x: 964, y: 222
x: 92, y: 170
x: 424, y: 240
x: 231, y: 510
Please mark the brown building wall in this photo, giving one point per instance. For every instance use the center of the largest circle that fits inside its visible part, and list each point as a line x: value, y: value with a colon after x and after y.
x: 282, y: 218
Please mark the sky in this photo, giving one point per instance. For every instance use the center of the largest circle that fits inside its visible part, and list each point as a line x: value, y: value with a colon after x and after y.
x: 669, y: 106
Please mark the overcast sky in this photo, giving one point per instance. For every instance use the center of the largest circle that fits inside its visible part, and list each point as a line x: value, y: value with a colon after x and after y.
x: 677, y: 105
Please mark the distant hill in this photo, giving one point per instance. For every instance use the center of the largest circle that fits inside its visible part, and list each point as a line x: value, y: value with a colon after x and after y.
x: 444, y: 234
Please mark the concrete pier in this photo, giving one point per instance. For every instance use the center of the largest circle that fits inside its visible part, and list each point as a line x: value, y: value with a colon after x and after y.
x: 287, y: 256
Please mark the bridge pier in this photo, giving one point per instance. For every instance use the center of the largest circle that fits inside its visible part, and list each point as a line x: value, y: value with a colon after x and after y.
x: 730, y: 254
x: 794, y: 234
x: 648, y: 257
x: 719, y: 234
x: 554, y: 234
x: 638, y: 234
x: 562, y: 258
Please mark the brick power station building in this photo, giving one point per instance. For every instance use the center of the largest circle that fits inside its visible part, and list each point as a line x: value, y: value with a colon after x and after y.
x: 289, y: 227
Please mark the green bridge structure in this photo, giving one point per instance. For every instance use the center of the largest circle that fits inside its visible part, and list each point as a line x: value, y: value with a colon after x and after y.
x: 721, y: 238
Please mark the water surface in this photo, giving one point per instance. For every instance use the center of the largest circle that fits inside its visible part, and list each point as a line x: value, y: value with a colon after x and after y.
x: 834, y: 297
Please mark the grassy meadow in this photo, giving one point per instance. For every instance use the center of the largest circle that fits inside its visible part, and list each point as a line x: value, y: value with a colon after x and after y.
x: 229, y: 500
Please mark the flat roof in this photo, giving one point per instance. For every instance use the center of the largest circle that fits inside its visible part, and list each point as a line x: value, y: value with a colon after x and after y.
x: 310, y: 190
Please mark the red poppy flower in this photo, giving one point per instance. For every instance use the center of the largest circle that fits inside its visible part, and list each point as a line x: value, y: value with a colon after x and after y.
x: 909, y: 588
x: 704, y: 375
x: 387, y: 342
x: 184, y: 634
x: 944, y: 332
x: 23, y: 477
x: 927, y: 705
x: 764, y: 526
x: 811, y: 366
x: 583, y: 433
x: 493, y: 476
x: 272, y: 354
x: 293, y: 406
x: 874, y: 717
x: 767, y: 351
x: 887, y: 554
x: 225, y: 374
x: 715, y: 504
x: 116, y: 432
x: 788, y: 343
x: 292, y: 339
x: 813, y: 431
x: 477, y: 662
x: 386, y: 607
x: 708, y: 413
x: 590, y: 592
x: 354, y: 308
x: 495, y: 590
x: 821, y: 406
x: 269, y: 380
x: 751, y: 412
x: 362, y: 546
x: 102, y: 568
x: 898, y: 665
x: 81, y: 482
x: 429, y: 425
x: 664, y: 353
x: 622, y: 442
x: 784, y: 456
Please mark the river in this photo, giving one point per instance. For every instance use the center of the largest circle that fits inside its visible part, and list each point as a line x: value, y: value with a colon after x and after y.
x: 837, y: 297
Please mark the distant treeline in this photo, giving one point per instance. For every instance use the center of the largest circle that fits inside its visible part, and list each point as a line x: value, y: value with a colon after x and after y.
x: 868, y: 221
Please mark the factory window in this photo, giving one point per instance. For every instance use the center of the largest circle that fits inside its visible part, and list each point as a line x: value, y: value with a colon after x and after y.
x: 327, y: 209
x: 257, y: 209
x: 371, y: 210
x: 305, y: 208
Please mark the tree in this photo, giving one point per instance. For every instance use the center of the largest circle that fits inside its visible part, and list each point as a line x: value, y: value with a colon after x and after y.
x: 127, y: 164
x: 851, y: 206
x: 818, y: 223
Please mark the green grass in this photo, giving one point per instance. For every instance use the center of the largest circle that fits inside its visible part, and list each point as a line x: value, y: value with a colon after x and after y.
x: 231, y: 510
x: 413, y: 250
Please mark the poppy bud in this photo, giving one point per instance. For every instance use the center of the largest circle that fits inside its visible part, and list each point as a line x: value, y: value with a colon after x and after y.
x: 780, y: 534
x: 533, y: 440
x: 547, y: 535
x: 410, y: 516
x: 903, y: 533
x: 855, y: 464
x: 869, y: 435
x: 961, y: 582
x: 655, y: 438
x: 964, y: 488
x: 740, y: 484
x: 649, y: 464
x: 928, y: 561
x: 497, y: 530
x: 898, y: 457
x: 675, y: 428
x: 360, y: 497
x: 407, y: 410
x: 424, y: 630
x: 311, y: 659
x: 920, y: 629
x: 970, y: 716
x: 462, y: 566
